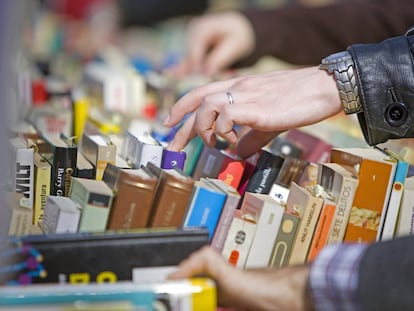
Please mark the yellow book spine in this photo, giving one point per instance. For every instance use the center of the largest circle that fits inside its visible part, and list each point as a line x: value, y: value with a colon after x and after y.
x: 204, y: 294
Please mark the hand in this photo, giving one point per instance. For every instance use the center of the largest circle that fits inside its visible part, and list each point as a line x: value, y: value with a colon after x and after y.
x: 255, y: 289
x: 216, y: 41
x: 266, y: 103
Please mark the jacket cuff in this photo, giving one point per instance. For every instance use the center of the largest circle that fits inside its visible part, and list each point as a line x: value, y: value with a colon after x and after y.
x: 385, y: 75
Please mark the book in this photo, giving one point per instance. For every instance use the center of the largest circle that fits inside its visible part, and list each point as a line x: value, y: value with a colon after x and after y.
x: 284, y: 240
x: 205, y: 206
x: 61, y: 215
x: 322, y: 229
x: 239, y: 238
x: 171, y: 159
x: 95, y: 200
x: 376, y: 175
x: 193, y: 150
x: 99, y: 151
x: 394, y: 203
x: 291, y: 171
x: 80, y: 108
x: 141, y: 149
x: 230, y: 205
x: 63, y: 159
x: 133, y: 199
x: 113, y: 256
x: 84, y: 168
x: 306, y: 203
x: 268, y: 214
x: 265, y: 173
x: 171, y: 198
x: 341, y: 183
x: 280, y: 145
x: 184, y: 295
x: 209, y: 163
x: 42, y: 178
x: 231, y: 170
x: 22, y: 172
x: 19, y: 214
x: 314, y: 149
x: 405, y: 221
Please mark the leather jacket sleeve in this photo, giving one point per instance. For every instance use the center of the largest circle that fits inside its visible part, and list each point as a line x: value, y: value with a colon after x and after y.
x: 385, y: 76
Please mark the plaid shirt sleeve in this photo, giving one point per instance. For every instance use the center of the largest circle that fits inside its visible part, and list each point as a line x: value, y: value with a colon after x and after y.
x: 334, y: 277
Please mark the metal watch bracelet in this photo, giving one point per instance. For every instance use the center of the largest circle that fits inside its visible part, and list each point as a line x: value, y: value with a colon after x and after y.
x: 341, y: 66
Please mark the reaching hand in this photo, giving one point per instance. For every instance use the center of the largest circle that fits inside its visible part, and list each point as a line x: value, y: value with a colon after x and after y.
x: 266, y: 103
x: 255, y: 289
x: 216, y: 41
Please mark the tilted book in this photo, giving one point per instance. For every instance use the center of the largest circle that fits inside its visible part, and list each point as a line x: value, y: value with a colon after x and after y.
x: 209, y: 163
x: 376, y: 172
x: 205, y: 206
x: 308, y: 205
x: 134, y: 195
x: 231, y: 204
x: 265, y: 173
x: 231, y: 170
x: 341, y: 183
x: 171, y: 198
x: 62, y: 215
x: 405, y: 223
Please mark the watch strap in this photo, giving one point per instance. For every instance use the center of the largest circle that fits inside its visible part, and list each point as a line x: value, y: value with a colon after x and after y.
x: 341, y: 65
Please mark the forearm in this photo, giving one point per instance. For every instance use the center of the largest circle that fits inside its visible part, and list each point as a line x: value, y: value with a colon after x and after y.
x: 303, y: 35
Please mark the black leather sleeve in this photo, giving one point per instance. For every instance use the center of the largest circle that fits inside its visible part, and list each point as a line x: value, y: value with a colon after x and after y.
x: 386, y: 276
x: 385, y: 74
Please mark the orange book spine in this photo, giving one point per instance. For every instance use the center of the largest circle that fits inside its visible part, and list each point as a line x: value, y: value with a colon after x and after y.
x: 322, y: 230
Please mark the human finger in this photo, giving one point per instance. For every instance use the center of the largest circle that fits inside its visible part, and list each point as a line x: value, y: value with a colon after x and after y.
x: 253, y: 141
x: 184, y: 134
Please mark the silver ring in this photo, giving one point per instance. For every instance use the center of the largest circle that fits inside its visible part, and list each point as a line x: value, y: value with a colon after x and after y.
x: 230, y: 98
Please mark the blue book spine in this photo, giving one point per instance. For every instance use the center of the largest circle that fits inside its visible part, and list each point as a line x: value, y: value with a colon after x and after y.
x: 206, y: 210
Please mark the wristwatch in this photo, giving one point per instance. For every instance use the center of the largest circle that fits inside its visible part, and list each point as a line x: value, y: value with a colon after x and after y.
x: 341, y: 65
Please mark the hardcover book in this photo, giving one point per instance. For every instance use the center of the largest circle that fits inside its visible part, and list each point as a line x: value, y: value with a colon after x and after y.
x: 141, y: 149
x: 95, y: 200
x: 84, y: 168
x: 209, y: 163
x: 171, y: 198
x: 205, y: 206
x: 134, y: 194
x: 19, y: 214
x: 268, y: 214
x: 376, y: 172
x: 231, y: 170
x: 60, y: 260
x: 193, y: 151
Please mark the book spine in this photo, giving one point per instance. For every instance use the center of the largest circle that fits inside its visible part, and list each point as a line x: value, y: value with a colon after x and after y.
x: 343, y: 210
x: 42, y: 188
x: 224, y: 223
x: 322, y: 229
x: 238, y: 241
x: 24, y: 175
x: 206, y: 210
x: 394, y: 204
x: 209, y: 163
x: 193, y: 151
x: 171, y: 159
x: 105, y: 155
x: 284, y: 240
x: 63, y: 168
x: 150, y: 153
x: 305, y: 233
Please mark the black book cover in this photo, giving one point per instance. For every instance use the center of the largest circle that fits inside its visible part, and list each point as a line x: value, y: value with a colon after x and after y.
x: 93, y: 257
x: 265, y: 173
